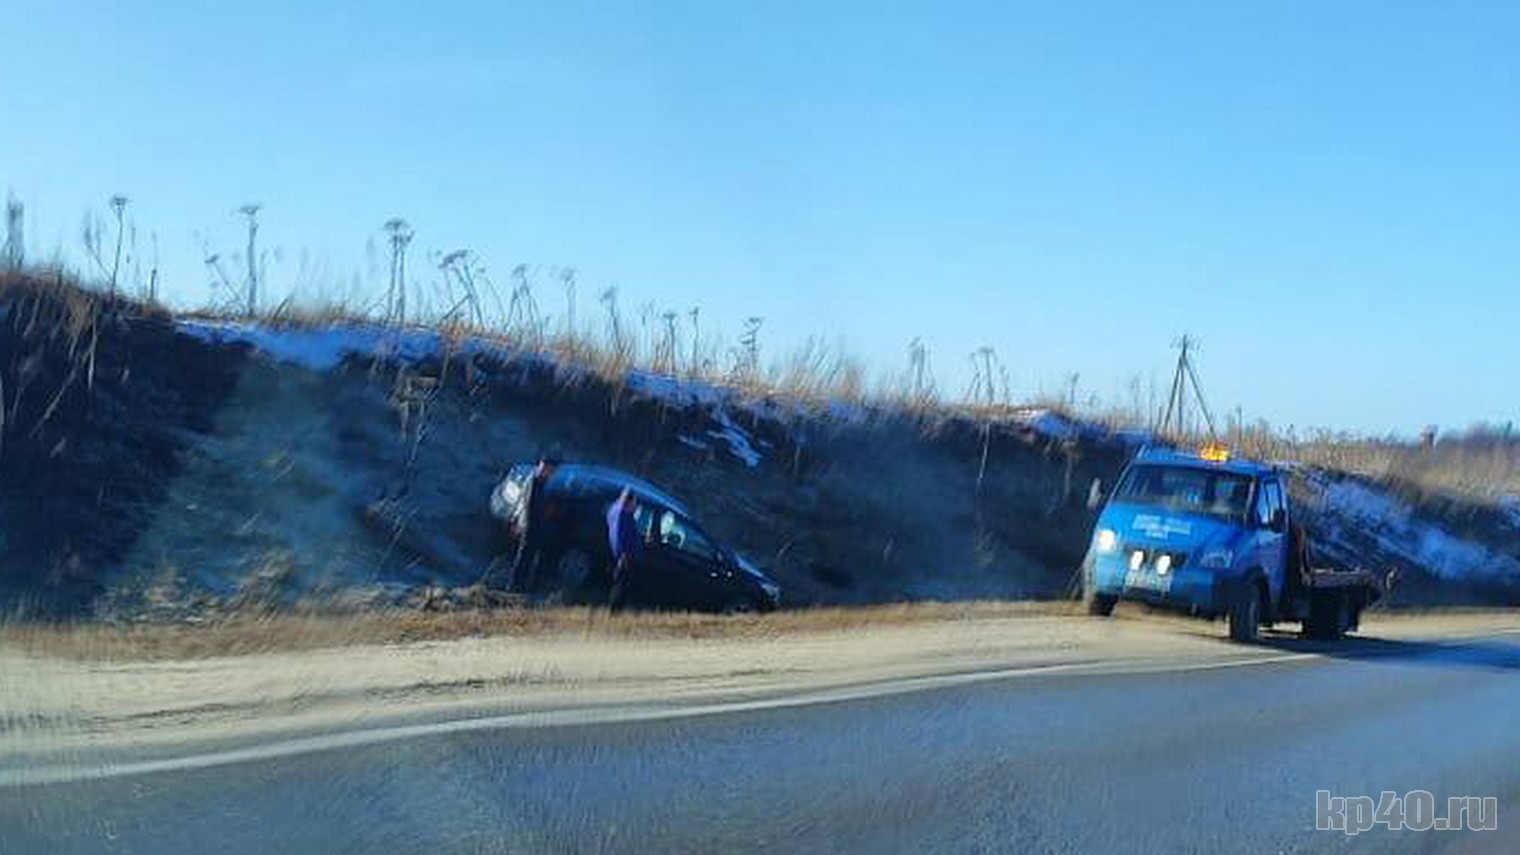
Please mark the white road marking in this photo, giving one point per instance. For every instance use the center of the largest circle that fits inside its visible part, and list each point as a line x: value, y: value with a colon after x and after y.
x: 590, y: 716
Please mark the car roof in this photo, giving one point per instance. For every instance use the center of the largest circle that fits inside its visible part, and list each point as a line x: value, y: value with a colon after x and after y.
x: 613, y: 481
x: 1233, y: 465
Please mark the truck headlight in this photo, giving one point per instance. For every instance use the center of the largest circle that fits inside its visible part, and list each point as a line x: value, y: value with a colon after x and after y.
x: 1217, y: 559
x: 1106, y: 541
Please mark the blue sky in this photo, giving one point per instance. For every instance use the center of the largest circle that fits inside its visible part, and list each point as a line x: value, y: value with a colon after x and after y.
x: 1327, y: 194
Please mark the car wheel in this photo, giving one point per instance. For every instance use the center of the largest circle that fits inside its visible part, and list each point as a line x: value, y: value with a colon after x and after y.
x: 573, y: 571
x: 1245, y: 613
x: 741, y: 606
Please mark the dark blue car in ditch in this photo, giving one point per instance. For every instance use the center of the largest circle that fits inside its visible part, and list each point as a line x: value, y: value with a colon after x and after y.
x: 682, y: 566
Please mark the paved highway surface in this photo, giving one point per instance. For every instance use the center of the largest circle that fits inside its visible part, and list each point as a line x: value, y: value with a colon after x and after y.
x: 1207, y: 760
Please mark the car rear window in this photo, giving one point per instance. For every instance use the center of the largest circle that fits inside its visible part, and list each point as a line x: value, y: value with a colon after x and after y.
x: 579, y: 484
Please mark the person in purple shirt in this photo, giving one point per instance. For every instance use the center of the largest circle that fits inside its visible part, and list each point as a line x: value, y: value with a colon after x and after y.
x: 627, y: 544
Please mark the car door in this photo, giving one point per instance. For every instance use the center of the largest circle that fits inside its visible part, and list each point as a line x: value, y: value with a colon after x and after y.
x: 655, y: 569
x: 1271, y: 536
x: 692, y: 570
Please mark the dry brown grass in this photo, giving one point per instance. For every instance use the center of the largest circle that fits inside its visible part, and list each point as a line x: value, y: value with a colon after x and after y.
x: 1482, y: 464
x: 816, y: 375
x: 813, y: 375
x: 248, y: 633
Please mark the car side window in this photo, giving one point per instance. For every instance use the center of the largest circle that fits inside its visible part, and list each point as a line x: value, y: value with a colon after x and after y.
x: 643, y: 517
x: 678, y: 533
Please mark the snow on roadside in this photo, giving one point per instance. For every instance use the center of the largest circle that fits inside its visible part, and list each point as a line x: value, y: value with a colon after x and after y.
x: 1509, y: 505
x: 1049, y: 423
x: 318, y: 349
x: 693, y: 442
x: 1053, y: 425
x: 1396, y: 529
x: 325, y: 348
x: 673, y: 390
x: 739, y: 444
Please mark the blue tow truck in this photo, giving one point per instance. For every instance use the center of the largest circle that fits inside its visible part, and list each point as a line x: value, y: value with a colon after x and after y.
x: 1212, y: 536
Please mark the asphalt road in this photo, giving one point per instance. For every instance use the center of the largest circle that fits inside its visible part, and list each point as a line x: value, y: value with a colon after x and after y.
x: 1207, y: 760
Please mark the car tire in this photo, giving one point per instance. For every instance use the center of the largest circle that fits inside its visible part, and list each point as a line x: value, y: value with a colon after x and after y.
x: 741, y: 606
x: 1245, y: 613
x: 573, y: 572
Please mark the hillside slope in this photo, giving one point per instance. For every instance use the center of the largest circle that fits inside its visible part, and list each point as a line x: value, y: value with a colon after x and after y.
x: 159, y: 466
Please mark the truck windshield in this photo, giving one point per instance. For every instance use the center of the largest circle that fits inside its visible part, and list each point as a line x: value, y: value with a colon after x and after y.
x: 1187, y: 489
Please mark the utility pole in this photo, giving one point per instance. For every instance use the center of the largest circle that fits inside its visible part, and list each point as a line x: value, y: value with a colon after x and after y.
x: 395, y: 301
x: 567, y: 277
x: 15, y: 245
x: 250, y: 212
x: 984, y: 379
x: 984, y: 383
x: 750, y: 341
x: 153, y: 273
x: 665, y: 358
x: 1183, y: 379
x: 118, y: 207
x: 918, y: 365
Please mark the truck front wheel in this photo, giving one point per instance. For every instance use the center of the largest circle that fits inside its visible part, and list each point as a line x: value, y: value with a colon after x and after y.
x: 1100, y: 605
x: 1245, y: 613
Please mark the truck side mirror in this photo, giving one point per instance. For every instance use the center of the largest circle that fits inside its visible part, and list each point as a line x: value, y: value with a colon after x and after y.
x: 1095, y: 494
x: 1279, y: 521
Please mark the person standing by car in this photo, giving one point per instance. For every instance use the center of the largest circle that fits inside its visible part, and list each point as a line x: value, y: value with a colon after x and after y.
x: 627, y: 545
x: 532, y: 532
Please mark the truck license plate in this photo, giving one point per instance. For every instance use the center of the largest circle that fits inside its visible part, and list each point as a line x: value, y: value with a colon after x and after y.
x: 1147, y: 580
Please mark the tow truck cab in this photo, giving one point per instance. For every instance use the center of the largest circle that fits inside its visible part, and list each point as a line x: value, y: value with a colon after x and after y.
x: 1199, y: 533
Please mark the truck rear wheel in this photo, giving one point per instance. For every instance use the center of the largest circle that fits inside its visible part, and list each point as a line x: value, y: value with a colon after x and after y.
x: 1325, y: 621
x: 1245, y: 613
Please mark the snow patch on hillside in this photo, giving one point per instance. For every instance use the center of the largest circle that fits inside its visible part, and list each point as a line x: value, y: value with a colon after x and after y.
x: 317, y: 349
x: 1510, y: 507
x: 1051, y: 424
x: 1399, y: 531
x: 739, y: 443
x: 673, y: 390
x: 325, y: 348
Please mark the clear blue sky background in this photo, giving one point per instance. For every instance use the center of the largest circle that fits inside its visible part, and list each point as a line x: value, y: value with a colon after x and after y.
x: 1327, y: 194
